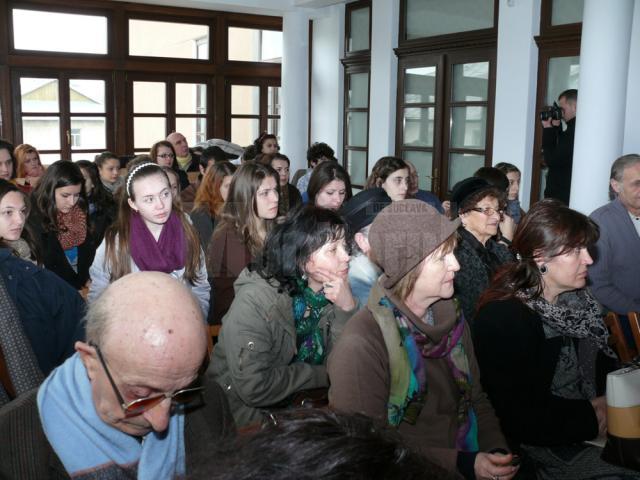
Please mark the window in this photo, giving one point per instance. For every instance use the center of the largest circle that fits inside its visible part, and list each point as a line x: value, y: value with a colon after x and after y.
x: 254, y: 109
x: 430, y: 18
x: 59, y: 32
x: 149, y: 38
x: 252, y: 45
x: 564, y: 12
x: 358, y: 33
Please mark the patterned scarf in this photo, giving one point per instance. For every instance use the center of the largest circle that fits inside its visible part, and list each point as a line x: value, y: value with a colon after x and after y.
x: 307, y: 309
x: 72, y: 227
x: 167, y: 254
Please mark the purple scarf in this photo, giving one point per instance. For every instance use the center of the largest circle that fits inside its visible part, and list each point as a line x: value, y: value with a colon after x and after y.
x: 167, y: 254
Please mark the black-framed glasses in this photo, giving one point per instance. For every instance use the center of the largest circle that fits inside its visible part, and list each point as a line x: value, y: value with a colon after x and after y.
x: 488, y: 211
x: 140, y: 405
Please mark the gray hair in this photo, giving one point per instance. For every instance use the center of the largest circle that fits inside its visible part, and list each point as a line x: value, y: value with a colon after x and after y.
x: 617, y: 169
x: 97, y: 320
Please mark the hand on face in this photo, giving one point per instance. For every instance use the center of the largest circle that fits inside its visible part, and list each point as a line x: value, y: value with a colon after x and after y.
x: 336, y: 288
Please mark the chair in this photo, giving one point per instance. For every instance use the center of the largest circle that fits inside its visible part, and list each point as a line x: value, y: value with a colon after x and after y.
x: 634, y: 322
x: 5, y: 377
x: 617, y: 339
x: 212, y: 337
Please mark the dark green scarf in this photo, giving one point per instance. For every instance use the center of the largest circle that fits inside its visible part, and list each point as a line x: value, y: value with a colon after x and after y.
x: 307, y: 309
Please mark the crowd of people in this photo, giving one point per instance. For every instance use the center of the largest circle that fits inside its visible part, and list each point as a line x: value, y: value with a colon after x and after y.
x: 456, y: 339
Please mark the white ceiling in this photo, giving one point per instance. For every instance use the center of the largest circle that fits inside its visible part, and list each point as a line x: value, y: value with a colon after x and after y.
x: 259, y: 7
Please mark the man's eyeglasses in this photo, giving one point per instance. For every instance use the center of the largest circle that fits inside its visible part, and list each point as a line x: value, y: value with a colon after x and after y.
x: 140, y: 405
x: 488, y: 211
x: 167, y: 155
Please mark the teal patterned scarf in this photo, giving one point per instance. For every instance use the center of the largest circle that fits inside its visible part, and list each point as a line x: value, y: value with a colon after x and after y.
x: 307, y: 309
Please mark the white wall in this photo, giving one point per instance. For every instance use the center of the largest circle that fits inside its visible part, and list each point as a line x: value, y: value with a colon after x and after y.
x: 516, y: 77
x: 327, y: 77
x: 632, y: 126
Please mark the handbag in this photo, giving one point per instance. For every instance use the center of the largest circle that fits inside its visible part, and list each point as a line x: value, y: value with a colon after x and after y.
x: 623, y: 418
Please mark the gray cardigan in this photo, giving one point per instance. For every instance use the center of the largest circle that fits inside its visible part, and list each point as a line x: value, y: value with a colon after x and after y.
x: 615, y: 273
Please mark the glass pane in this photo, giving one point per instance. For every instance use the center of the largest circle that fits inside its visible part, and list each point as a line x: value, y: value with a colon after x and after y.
x: 88, y: 132
x: 273, y: 126
x: 427, y: 18
x: 423, y: 161
x: 357, y: 129
x: 244, y: 130
x: 273, y: 101
x: 358, y: 90
x: 566, y: 11
x: 41, y: 132
x: 86, y: 96
x: 359, y: 34
x: 463, y: 165
x: 59, y: 32
x: 245, y: 100
x: 470, y: 82
x: 468, y: 127
x: 543, y: 182
x: 253, y: 45
x: 149, y: 97
x: 191, y: 98
x: 193, y: 129
x: 563, y: 74
x: 39, y: 95
x: 147, y: 131
x: 49, y: 158
x: 75, y: 156
x: 420, y: 85
x: 149, y: 38
x: 357, y: 166
x: 418, y: 126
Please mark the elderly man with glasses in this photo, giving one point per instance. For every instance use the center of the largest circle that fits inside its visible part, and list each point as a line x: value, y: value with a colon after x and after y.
x: 131, y: 403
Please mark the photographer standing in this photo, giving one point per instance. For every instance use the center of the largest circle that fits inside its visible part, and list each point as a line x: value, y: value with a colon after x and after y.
x: 557, y: 146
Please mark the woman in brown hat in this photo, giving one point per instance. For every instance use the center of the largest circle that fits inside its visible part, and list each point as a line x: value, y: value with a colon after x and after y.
x: 407, y: 358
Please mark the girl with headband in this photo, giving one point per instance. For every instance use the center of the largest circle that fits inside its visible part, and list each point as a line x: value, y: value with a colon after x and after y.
x: 151, y: 233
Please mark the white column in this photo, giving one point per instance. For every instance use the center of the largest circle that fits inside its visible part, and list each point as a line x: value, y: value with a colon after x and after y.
x: 632, y: 127
x: 602, y: 94
x: 383, y: 79
x: 516, y: 83
x: 295, y: 87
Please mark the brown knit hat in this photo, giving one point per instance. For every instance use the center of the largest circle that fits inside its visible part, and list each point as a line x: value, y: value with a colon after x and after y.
x: 405, y: 233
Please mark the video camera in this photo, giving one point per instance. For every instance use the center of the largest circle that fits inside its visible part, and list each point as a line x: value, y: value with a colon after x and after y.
x: 551, y: 113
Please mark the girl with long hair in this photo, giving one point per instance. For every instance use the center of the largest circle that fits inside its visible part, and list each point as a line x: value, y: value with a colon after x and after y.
x: 59, y: 220
x: 266, y: 143
x: 391, y: 174
x: 290, y: 197
x: 329, y: 186
x: 14, y: 233
x: 246, y: 218
x: 28, y: 166
x: 164, y: 154
x: 151, y: 233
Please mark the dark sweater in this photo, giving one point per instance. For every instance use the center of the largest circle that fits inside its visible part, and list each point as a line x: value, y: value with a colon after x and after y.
x: 557, y: 148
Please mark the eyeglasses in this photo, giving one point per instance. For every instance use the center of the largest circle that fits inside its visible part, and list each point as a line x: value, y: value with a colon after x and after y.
x: 140, y: 405
x: 488, y: 211
x: 167, y: 155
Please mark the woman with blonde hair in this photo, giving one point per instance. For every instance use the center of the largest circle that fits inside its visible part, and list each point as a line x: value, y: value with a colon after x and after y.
x: 246, y: 218
x: 28, y: 167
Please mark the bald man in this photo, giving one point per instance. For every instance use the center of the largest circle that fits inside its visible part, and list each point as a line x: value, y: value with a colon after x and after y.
x: 131, y: 402
x: 187, y: 159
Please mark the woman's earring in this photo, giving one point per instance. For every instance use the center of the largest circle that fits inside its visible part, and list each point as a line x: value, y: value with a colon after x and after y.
x: 304, y: 276
x: 543, y: 269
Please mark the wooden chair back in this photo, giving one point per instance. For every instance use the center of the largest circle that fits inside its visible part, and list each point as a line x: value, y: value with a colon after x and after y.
x: 634, y: 322
x: 617, y: 338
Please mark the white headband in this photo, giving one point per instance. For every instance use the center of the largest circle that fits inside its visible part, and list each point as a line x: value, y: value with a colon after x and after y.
x: 135, y: 170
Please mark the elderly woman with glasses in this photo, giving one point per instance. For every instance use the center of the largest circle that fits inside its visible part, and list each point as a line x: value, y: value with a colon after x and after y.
x: 480, y: 248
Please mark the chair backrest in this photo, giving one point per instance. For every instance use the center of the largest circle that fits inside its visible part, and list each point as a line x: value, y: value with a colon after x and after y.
x: 617, y: 339
x: 634, y: 323
x: 5, y: 378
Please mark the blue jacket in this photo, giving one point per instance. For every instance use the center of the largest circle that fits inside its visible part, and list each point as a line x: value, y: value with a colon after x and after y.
x: 50, y: 309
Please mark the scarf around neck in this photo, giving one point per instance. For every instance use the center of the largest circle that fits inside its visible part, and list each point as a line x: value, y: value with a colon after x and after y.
x: 167, y: 254
x: 112, y: 187
x: 184, y: 162
x: 87, y: 446
x: 72, y: 227
x: 307, y: 311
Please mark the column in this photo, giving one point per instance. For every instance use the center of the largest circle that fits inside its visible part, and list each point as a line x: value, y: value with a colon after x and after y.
x: 385, y: 19
x: 631, y: 136
x: 602, y: 94
x: 295, y: 87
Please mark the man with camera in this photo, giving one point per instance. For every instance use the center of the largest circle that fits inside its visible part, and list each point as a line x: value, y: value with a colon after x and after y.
x: 557, y: 145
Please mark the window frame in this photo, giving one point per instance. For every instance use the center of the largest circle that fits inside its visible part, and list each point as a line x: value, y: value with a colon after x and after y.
x: 349, y: 8
x: 265, y: 23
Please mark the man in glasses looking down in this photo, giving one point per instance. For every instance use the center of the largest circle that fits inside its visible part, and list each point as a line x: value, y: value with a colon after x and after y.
x: 131, y: 402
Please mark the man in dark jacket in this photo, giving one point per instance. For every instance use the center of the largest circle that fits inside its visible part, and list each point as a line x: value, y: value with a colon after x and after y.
x: 129, y: 402
x: 557, y: 146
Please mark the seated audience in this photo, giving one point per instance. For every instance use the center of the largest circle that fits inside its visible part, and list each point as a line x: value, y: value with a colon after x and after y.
x: 289, y: 195
x: 415, y: 192
x: 14, y: 233
x: 266, y: 143
x: 480, y: 208
x: 329, y: 186
x: 251, y: 205
x: 317, y: 153
x: 513, y: 199
x: 615, y: 271
x: 28, y: 167
x: 109, y: 169
x: 359, y: 212
x: 407, y: 358
x: 163, y: 154
x: 210, y: 198
x: 129, y: 402
x: 318, y: 444
x: 101, y: 207
x: 151, y: 233
x: 186, y: 158
x: 391, y: 174
x: 174, y: 183
x: 289, y: 309
x: 60, y: 224
x: 7, y: 161
x: 542, y: 345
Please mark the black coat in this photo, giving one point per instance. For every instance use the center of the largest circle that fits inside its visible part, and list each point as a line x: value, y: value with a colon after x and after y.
x: 557, y: 148
x: 517, y: 366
